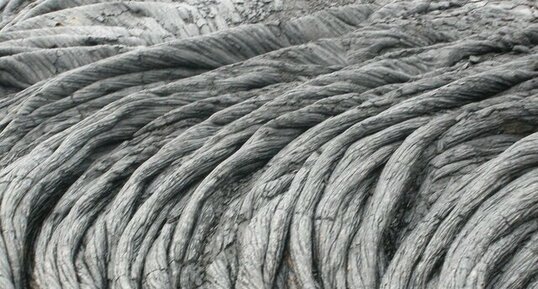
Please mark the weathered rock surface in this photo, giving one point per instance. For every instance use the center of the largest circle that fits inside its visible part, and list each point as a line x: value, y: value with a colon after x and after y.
x: 268, y: 144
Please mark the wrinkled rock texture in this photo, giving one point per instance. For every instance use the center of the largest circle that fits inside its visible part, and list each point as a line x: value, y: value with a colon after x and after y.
x: 268, y: 144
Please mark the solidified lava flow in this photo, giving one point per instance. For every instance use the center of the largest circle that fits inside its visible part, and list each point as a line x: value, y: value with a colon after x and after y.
x: 257, y: 144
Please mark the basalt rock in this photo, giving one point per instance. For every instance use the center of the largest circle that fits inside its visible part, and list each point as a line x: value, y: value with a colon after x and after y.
x: 268, y: 144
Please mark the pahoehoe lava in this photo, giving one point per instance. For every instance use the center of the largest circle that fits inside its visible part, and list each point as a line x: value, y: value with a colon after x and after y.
x: 251, y: 144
